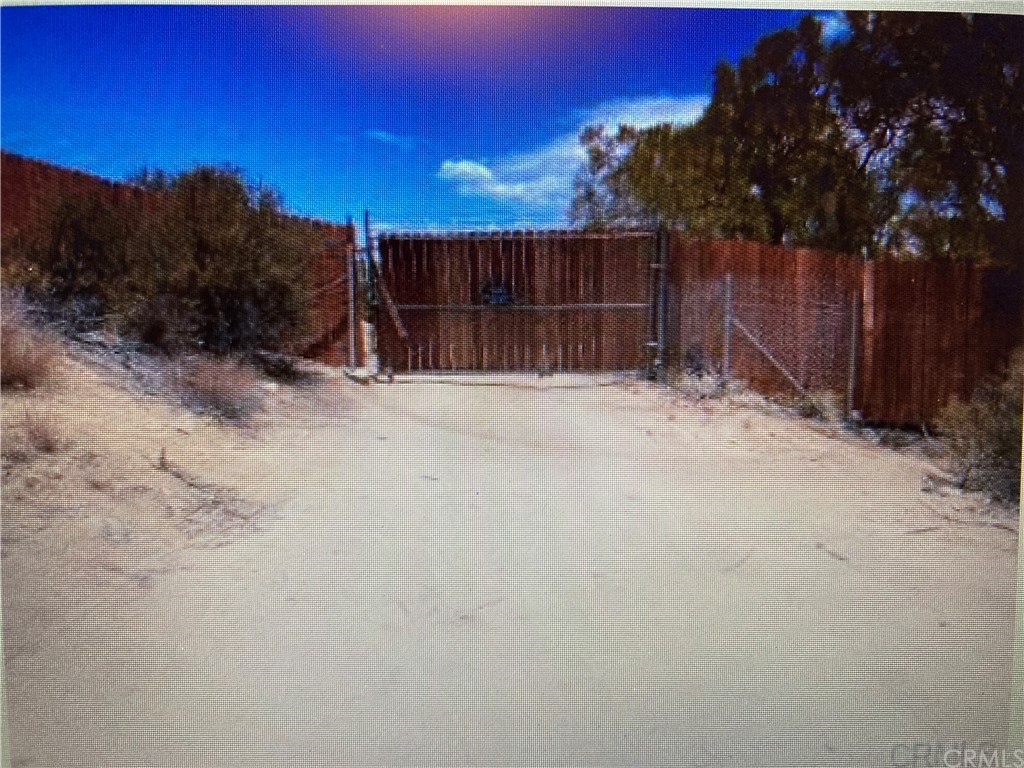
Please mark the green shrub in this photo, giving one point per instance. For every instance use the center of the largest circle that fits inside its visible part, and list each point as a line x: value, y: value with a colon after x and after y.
x: 87, y: 256
x: 984, y: 435
x: 19, y: 267
x: 233, y: 264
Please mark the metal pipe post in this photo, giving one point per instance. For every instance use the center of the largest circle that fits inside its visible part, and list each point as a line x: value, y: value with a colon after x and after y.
x: 727, y: 341
x: 851, y: 383
x: 662, y: 296
x: 371, y: 266
x: 352, y: 315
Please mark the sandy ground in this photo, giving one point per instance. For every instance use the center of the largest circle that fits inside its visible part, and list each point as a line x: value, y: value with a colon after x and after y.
x: 424, y: 573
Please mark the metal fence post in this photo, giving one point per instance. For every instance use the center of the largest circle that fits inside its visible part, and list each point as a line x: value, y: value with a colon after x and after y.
x: 352, y: 315
x: 851, y: 383
x: 727, y: 330
x: 652, y: 350
x: 371, y: 277
x: 371, y: 272
x: 662, y: 246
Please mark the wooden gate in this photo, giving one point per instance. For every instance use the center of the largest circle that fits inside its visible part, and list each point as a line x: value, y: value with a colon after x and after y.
x: 553, y: 301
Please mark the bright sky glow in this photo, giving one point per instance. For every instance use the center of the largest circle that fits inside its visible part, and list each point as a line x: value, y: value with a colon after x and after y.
x: 425, y: 116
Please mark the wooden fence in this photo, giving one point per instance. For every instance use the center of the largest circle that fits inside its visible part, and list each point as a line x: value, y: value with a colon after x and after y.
x: 793, y: 305
x: 556, y: 300
x: 32, y: 191
x: 895, y: 341
x: 932, y: 331
x: 335, y: 335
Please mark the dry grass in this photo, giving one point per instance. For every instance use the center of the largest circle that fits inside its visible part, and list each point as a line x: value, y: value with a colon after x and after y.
x: 984, y: 435
x: 36, y: 432
x: 281, y: 368
x: 226, y: 387
x: 821, y: 405
x: 693, y: 385
x: 28, y: 356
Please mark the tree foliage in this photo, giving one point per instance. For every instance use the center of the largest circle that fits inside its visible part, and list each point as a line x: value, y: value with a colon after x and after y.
x: 601, y: 196
x: 904, y: 137
x: 682, y: 176
x: 937, y: 101
x: 774, y: 111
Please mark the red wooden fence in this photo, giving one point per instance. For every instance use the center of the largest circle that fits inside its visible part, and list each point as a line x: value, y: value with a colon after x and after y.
x: 334, y: 308
x: 907, y: 336
x: 796, y: 303
x: 894, y: 340
x: 32, y: 190
x: 561, y: 300
x: 932, y: 331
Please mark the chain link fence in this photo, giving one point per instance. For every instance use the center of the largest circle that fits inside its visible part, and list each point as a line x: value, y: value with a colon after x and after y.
x: 764, y: 334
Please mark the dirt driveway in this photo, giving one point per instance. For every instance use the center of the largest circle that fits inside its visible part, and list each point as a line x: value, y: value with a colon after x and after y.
x: 511, y: 576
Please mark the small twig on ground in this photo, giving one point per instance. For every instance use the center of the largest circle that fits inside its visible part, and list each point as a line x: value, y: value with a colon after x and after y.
x: 927, y: 529
x: 832, y: 553
x: 733, y: 566
x: 977, y: 523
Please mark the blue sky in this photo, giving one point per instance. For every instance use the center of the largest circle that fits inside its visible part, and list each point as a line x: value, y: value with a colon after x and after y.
x: 425, y: 116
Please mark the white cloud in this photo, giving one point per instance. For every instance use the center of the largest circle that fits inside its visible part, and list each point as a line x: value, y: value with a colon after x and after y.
x: 833, y: 25
x: 404, y: 143
x: 543, y: 176
x: 468, y: 172
x: 473, y: 178
x: 648, y: 112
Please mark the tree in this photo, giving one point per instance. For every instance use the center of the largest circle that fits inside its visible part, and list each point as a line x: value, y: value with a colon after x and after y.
x: 600, y: 196
x: 936, y: 101
x: 682, y: 175
x: 788, y: 142
x: 907, y: 137
x: 767, y: 160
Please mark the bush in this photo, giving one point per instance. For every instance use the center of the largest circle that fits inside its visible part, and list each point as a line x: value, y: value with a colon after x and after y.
x: 226, y: 387
x: 821, y: 405
x: 20, y: 263
x: 206, y: 262
x: 86, y: 257
x: 283, y: 368
x: 162, y: 324
x: 28, y: 356
x: 984, y: 435
x: 227, y: 266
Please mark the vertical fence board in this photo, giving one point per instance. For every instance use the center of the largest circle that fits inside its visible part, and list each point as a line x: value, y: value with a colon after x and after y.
x: 557, y: 281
